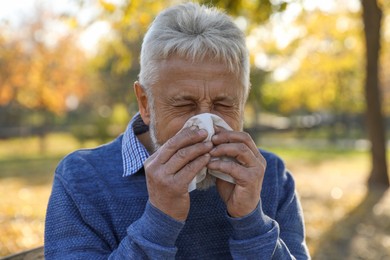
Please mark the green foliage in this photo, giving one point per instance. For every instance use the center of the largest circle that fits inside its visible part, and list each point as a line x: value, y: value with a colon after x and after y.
x: 324, y: 67
x: 255, y: 11
x: 105, y: 124
x: 129, y: 22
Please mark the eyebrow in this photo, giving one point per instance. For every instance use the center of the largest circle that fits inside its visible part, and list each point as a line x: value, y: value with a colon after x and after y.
x: 182, y: 98
x: 191, y: 97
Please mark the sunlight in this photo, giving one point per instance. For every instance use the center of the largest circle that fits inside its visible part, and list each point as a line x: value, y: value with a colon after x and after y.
x: 89, y: 39
x: 331, y: 5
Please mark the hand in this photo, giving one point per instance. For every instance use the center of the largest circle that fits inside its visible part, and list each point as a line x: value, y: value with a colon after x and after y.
x: 242, y: 197
x: 171, y: 168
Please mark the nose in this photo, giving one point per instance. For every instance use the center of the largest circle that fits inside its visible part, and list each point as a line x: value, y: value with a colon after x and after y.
x: 204, y: 108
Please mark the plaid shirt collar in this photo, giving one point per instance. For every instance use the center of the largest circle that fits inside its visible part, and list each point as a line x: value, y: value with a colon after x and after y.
x: 134, y: 153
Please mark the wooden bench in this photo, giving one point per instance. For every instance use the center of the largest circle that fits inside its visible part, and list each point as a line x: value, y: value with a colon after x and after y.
x: 32, y: 254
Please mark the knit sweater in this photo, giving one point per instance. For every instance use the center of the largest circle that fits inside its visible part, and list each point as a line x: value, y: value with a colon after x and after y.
x: 96, y: 213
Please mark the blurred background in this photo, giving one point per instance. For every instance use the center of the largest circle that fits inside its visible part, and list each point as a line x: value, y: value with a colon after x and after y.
x: 320, y: 99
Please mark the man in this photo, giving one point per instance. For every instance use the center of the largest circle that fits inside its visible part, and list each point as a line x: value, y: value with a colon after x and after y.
x: 129, y: 199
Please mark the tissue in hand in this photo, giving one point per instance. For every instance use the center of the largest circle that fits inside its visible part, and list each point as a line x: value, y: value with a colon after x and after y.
x: 206, y: 178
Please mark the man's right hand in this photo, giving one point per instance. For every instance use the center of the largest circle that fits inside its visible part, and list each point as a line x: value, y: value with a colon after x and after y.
x: 172, y: 167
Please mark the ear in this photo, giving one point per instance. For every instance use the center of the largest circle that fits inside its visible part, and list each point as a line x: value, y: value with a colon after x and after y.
x: 143, y: 105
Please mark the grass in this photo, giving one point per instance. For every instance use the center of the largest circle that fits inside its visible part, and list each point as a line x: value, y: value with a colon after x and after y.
x: 26, y: 175
x: 330, y: 181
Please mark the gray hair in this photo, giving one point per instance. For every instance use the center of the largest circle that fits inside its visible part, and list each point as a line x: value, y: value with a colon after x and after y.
x: 194, y: 32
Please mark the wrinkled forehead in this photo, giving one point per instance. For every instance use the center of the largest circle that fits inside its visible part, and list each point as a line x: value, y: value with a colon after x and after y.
x: 180, y: 66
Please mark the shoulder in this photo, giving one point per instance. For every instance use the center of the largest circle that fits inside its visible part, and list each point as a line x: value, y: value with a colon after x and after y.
x: 274, y: 163
x: 85, y: 163
x: 278, y: 182
x: 276, y: 171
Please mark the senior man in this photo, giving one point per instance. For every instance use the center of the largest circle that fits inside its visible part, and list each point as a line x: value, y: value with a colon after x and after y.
x: 130, y: 199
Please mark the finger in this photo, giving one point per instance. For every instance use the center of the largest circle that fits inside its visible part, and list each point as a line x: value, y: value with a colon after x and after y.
x: 187, y: 154
x: 224, y: 136
x: 183, y: 138
x: 189, y: 171
x: 218, y: 129
x: 242, y: 153
x: 231, y: 168
x: 238, y: 151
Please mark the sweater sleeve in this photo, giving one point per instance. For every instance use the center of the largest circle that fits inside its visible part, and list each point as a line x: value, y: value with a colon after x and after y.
x: 153, y: 236
x: 69, y: 236
x: 258, y: 236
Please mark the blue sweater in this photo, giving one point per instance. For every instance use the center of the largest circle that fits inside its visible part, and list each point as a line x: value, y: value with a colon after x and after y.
x: 96, y: 213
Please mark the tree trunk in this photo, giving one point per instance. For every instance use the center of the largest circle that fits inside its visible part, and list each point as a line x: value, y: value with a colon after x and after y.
x: 372, y: 16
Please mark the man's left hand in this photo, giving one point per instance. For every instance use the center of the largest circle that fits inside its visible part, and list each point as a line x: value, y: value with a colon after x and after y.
x: 242, y: 197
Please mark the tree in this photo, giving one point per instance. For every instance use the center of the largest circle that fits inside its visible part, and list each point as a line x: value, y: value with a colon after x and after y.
x: 42, y: 74
x: 37, y: 75
x: 372, y: 17
x: 323, y: 66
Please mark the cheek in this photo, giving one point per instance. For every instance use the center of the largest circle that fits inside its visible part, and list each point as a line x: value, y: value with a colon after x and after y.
x: 167, y: 127
x: 235, y: 124
x: 234, y: 119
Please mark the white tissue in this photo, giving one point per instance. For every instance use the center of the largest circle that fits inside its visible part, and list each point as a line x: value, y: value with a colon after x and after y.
x: 207, y: 121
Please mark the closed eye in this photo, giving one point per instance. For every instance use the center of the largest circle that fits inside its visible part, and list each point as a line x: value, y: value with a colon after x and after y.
x: 223, y: 106
x: 184, y: 104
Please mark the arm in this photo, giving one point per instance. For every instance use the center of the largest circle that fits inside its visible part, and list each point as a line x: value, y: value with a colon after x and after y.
x: 70, y: 233
x: 256, y: 235
x: 153, y: 236
x: 75, y: 228
x: 280, y: 238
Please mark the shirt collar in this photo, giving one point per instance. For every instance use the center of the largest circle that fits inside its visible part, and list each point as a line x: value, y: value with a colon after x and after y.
x: 134, y: 152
